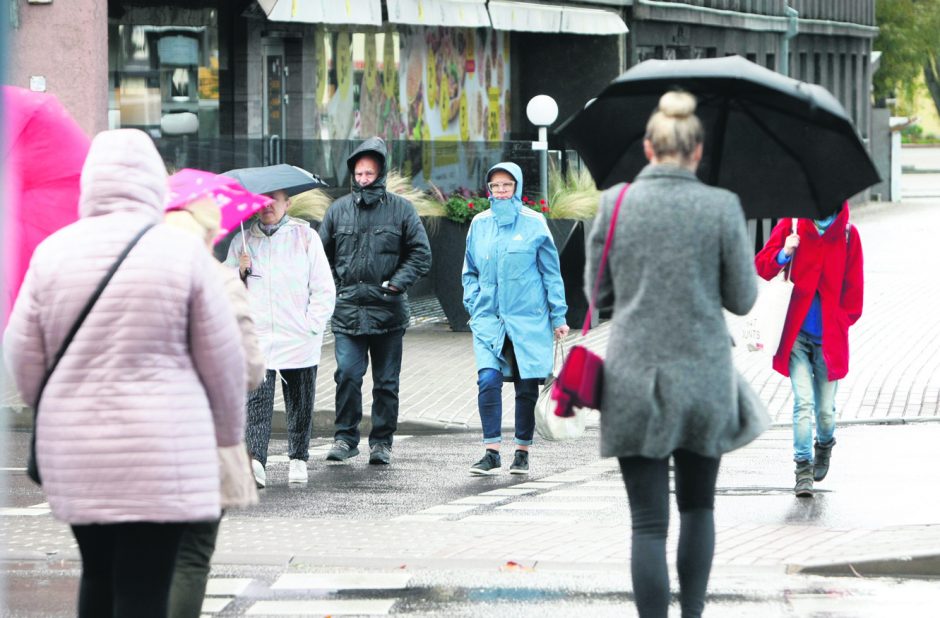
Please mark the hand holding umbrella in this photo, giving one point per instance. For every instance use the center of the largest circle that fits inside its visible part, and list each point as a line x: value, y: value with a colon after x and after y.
x: 244, y: 260
x: 791, y: 243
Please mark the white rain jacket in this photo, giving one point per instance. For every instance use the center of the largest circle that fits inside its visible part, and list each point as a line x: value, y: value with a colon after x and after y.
x: 291, y: 289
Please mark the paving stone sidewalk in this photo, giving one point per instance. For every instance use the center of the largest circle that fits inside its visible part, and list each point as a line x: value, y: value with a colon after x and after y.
x: 574, y: 520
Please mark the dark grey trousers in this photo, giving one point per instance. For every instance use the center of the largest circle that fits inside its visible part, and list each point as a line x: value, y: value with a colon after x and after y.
x: 192, y: 569
x: 299, y: 388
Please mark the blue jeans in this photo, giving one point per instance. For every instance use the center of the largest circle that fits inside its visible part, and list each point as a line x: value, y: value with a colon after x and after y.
x: 813, y: 397
x: 490, y: 400
x: 352, y: 357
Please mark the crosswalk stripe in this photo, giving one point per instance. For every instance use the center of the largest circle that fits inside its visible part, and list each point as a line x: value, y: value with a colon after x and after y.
x: 587, y: 493
x: 332, y: 607
x: 510, y: 491
x: 533, y: 505
x: 342, y: 581
x: 479, y: 500
x: 214, y: 605
x: 226, y: 586
x: 450, y: 508
x: 516, y: 518
x: 30, y: 512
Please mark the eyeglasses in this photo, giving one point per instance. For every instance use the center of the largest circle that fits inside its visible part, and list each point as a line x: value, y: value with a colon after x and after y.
x: 501, y: 186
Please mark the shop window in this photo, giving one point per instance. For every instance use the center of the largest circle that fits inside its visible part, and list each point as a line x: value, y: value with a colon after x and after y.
x: 163, y: 67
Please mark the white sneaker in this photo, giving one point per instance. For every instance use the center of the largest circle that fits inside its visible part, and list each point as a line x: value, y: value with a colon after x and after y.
x: 298, y: 471
x: 260, y: 476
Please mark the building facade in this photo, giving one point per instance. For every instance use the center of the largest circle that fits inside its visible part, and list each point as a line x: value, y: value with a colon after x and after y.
x: 222, y: 84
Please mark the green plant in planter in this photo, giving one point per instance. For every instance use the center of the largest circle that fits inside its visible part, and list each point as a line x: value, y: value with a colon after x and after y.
x: 461, y: 208
x: 572, y: 197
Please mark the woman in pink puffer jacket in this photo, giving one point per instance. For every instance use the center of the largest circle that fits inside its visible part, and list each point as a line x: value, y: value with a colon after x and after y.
x: 154, y: 379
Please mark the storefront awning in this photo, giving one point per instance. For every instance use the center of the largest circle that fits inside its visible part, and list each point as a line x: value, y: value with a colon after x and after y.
x: 577, y: 20
x: 458, y: 13
x: 362, y: 12
x: 531, y: 17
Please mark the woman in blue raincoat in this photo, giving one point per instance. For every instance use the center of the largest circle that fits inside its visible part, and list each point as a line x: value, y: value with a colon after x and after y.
x: 513, y: 290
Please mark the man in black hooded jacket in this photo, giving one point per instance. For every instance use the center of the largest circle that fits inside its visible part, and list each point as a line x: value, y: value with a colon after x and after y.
x: 377, y: 248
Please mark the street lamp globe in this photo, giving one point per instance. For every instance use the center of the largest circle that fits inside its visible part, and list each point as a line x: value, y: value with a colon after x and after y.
x: 542, y: 110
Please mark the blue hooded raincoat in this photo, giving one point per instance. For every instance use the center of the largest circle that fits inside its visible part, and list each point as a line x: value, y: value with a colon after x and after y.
x: 512, y: 285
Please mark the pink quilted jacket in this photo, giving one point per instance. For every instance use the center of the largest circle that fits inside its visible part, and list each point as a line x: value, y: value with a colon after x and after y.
x: 154, y: 379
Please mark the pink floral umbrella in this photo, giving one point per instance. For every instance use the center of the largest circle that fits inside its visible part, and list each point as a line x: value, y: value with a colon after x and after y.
x: 236, y: 204
x: 43, y: 153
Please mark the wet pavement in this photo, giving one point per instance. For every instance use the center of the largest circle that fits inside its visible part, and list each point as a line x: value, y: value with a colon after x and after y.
x: 424, y: 538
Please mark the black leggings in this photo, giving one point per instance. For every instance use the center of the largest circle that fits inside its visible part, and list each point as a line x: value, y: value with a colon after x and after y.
x: 647, y: 482
x: 126, y: 568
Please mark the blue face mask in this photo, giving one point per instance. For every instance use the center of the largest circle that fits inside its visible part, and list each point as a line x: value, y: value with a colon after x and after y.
x: 825, y: 222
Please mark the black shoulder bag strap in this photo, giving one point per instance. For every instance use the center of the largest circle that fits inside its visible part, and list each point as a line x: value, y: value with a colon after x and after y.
x: 32, y: 469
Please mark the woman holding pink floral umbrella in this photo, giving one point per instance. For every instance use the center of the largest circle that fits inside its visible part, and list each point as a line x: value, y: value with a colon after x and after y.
x: 207, y: 205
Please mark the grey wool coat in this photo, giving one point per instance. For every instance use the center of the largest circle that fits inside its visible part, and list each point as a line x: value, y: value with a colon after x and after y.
x: 680, y: 253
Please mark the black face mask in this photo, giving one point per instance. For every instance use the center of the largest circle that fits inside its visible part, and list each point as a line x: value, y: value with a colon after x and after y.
x: 371, y: 194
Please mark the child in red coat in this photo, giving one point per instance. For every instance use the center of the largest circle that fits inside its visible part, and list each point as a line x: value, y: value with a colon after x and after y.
x: 825, y: 261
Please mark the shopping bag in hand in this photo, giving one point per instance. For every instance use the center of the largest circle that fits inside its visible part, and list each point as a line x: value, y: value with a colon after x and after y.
x: 548, y: 424
x: 579, y: 383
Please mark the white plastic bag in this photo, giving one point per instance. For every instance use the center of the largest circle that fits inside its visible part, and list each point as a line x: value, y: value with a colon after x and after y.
x: 760, y: 330
x: 549, y: 426
x: 762, y: 327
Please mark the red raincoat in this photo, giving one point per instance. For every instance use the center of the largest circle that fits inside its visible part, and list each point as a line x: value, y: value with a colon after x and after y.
x: 831, y: 265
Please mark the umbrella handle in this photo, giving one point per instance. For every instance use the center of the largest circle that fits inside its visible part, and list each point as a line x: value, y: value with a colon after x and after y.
x: 241, y: 224
x: 789, y: 272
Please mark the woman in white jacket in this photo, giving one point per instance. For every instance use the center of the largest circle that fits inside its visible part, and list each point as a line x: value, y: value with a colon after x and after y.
x: 292, y: 297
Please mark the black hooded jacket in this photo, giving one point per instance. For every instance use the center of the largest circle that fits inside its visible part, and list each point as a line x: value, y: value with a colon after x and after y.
x: 372, y: 237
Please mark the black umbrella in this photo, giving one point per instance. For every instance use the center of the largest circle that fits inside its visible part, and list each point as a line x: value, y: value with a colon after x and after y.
x: 787, y: 148
x: 280, y: 177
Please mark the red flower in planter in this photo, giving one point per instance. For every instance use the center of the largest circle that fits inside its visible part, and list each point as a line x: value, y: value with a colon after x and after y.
x: 470, y: 205
x: 542, y: 202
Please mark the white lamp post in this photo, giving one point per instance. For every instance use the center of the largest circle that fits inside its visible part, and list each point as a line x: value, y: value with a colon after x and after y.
x: 542, y: 111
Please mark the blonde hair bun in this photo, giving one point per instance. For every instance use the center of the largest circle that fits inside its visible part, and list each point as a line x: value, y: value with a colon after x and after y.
x: 677, y: 104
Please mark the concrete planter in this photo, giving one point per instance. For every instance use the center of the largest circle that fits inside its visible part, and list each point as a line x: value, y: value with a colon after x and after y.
x: 448, y: 244
x: 570, y: 237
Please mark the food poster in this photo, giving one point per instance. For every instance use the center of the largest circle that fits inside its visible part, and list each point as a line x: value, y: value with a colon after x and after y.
x: 447, y: 86
x: 456, y: 89
x: 375, y: 59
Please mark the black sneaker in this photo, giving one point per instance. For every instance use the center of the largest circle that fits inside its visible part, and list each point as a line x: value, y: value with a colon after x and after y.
x: 380, y: 455
x: 341, y: 451
x: 489, y: 465
x: 520, y: 463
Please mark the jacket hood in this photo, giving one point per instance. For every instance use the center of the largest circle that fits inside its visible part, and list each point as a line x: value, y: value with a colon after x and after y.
x: 513, y: 170
x: 505, y: 210
x: 123, y: 173
x: 373, y: 193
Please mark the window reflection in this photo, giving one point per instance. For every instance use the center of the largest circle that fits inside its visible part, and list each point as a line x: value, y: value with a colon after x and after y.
x: 159, y: 70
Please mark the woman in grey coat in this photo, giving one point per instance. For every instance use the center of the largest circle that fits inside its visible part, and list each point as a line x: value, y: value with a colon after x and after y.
x: 680, y: 253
